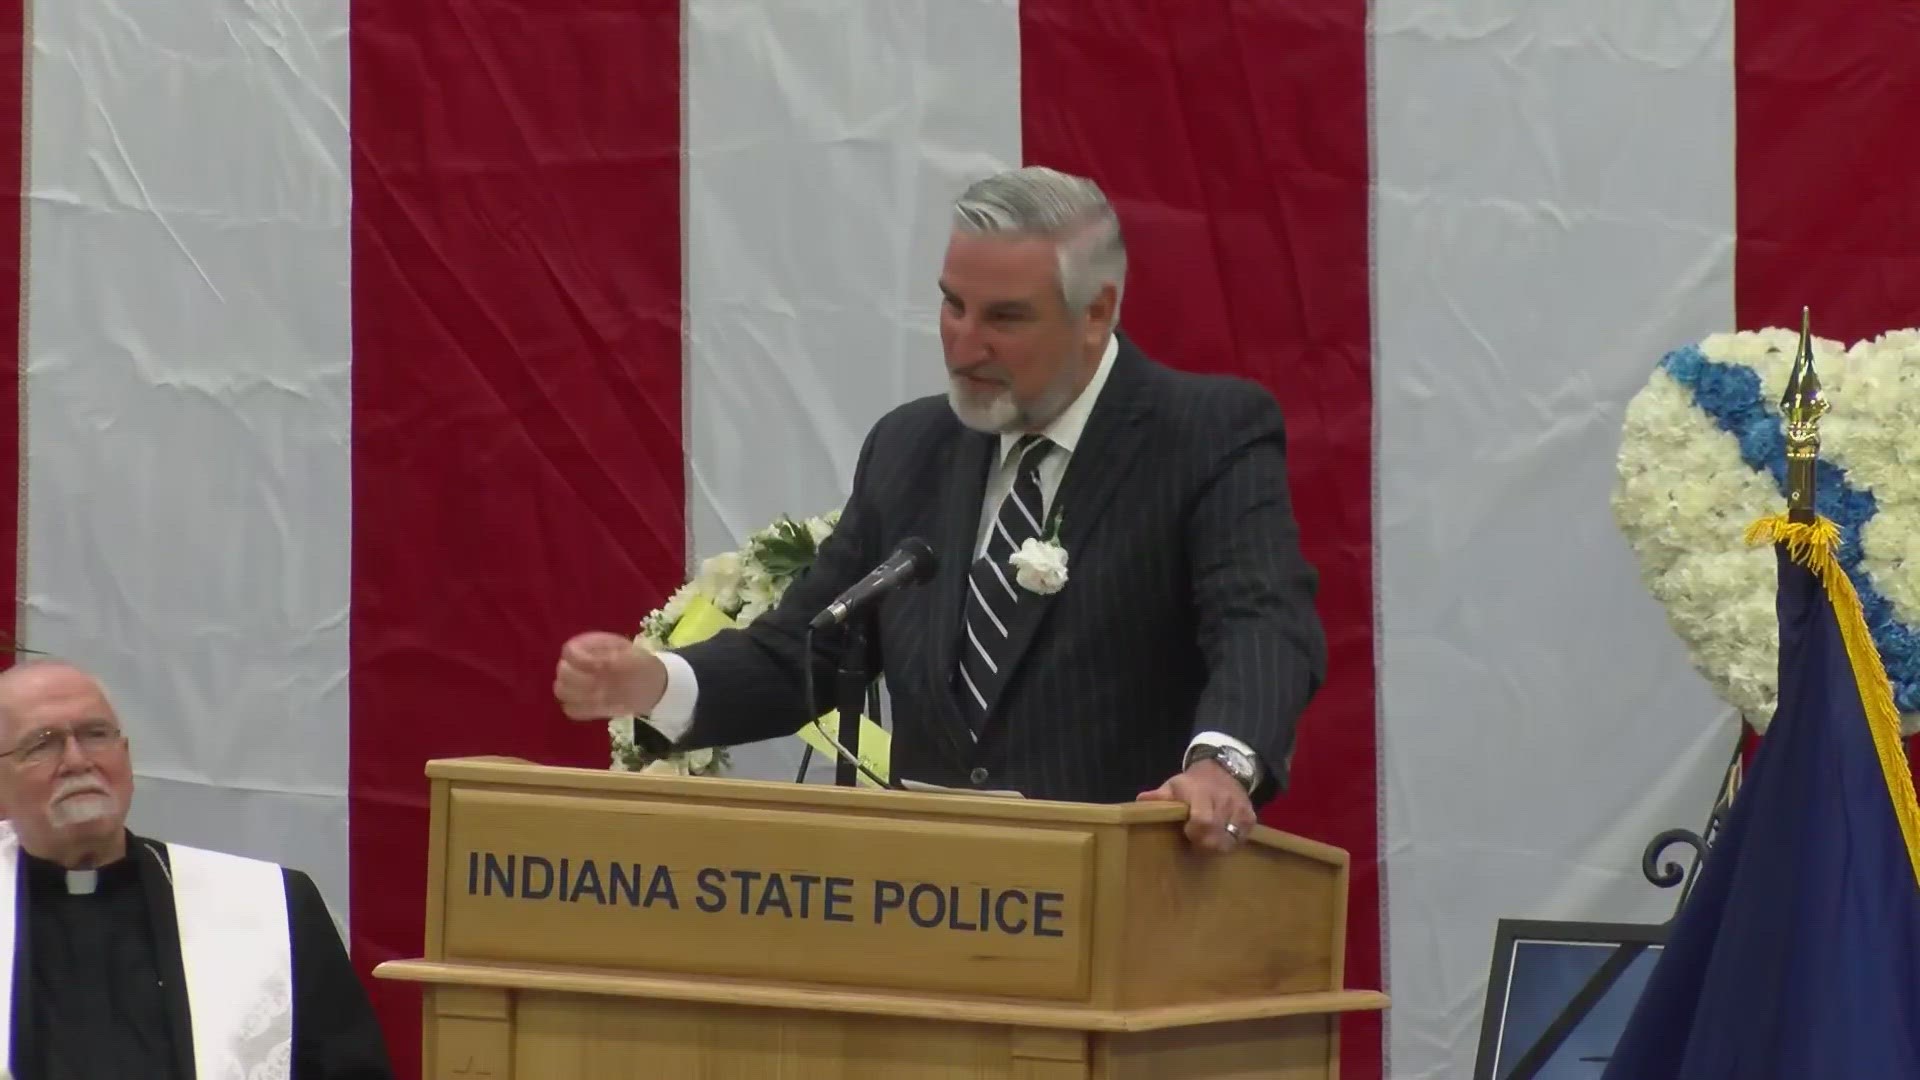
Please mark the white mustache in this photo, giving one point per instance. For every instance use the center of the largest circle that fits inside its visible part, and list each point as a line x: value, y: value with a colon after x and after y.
x: 990, y: 372
x: 77, y: 800
x: 78, y: 785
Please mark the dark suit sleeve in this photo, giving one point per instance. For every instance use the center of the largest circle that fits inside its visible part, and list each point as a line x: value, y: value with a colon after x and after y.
x: 1253, y: 591
x: 335, y: 1035
x: 750, y: 688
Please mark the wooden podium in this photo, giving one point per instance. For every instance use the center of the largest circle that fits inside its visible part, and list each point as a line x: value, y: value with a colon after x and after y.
x: 590, y: 924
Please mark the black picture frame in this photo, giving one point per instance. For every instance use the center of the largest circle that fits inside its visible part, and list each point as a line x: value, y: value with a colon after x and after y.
x: 1576, y: 985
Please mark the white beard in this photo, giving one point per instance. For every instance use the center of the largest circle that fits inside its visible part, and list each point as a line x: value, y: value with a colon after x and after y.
x: 994, y: 415
x: 1001, y: 415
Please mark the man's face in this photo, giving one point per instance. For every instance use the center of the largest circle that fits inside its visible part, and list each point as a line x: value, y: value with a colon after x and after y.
x: 1015, y: 356
x: 69, y: 777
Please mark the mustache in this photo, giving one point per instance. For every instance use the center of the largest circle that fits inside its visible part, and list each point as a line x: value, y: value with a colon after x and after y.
x: 85, y: 784
x: 989, y: 371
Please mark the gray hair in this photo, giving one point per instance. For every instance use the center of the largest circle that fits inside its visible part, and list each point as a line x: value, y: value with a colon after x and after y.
x: 1046, y: 203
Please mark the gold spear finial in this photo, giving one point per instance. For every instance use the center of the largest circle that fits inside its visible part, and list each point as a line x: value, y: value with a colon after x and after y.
x: 1802, y: 406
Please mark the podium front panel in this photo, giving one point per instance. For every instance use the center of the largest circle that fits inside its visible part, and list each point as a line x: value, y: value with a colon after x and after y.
x: 546, y: 878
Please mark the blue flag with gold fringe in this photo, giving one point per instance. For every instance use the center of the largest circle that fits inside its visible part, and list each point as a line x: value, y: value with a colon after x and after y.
x: 1798, y: 953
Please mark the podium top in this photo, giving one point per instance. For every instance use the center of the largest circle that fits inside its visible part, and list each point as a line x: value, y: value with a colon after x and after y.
x: 721, y: 791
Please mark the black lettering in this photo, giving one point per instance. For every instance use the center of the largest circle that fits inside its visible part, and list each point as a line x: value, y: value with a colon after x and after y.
x: 806, y: 883
x: 746, y: 878
x: 1000, y: 912
x: 528, y: 863
x: 588, y: 882
x: 498, y: 874
x: 1041, y: 914
x: 713, y: 894
x: 618, y: 882
x: 662, y: 887
x: 562, y: 894
x: 839, y: 892
x: 953, y: 909
x: 473, y: 872
x: 775, y: 896
x: 939, y: 906
x: 887, y: 895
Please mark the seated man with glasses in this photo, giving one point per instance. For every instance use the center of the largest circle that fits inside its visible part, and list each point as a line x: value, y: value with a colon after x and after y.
x: 133, y: 957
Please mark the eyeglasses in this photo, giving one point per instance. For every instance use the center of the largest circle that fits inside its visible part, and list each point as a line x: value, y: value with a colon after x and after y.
x: 46, y: 745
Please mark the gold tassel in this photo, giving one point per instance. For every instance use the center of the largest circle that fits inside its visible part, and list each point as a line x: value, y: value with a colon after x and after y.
x: 1814, y: 545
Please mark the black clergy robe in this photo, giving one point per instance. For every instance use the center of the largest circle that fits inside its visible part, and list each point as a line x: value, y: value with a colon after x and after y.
x: 99, y: 984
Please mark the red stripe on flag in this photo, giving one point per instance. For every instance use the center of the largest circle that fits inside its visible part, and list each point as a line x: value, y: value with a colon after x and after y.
x: 1233, y: 139
x: 1826, y: 98
x: 517, y: 467
x: 13, y: 141
x: 1826, y: 102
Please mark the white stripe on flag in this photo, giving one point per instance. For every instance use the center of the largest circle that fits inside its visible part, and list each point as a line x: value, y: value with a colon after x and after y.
x: 186, y: 381
x: 824, y: 142
x: 1555, y: 211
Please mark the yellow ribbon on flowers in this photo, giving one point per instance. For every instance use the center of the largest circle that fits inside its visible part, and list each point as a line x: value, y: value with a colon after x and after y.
x: 702, y: 620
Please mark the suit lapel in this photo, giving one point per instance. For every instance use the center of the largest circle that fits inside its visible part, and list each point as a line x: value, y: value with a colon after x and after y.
x: 959, y: 526
x: 156, y: 882
x: 1115, y: 432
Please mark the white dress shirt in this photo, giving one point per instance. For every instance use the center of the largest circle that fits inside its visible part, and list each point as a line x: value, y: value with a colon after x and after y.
x: 674, y: 713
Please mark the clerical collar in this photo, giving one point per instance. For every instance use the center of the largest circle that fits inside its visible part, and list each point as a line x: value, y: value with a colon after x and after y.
x: 50, y: 878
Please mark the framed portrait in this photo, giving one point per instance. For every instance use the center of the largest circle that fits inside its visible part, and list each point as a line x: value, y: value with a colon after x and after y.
x: 1559, y: 994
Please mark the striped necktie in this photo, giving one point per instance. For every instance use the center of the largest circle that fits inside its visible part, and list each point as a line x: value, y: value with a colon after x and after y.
x: 992, y: 594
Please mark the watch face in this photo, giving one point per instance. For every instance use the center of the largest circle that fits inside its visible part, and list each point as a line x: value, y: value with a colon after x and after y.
x: 1236, y: 763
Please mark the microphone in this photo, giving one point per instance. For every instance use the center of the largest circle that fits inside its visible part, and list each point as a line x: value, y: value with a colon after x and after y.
x: 912, y: 561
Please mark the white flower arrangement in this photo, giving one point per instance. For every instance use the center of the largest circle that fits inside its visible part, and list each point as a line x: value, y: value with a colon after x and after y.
x: 1702, y: 457
x: 738, y: 587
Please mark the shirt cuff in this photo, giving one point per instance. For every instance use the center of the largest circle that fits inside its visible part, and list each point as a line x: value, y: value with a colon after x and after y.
x: 672, y: 716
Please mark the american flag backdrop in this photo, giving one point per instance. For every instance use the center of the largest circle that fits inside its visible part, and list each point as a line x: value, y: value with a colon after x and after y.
x: 365, y: 350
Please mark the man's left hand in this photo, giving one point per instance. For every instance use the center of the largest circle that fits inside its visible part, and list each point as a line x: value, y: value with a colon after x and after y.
x: 1214, y: 800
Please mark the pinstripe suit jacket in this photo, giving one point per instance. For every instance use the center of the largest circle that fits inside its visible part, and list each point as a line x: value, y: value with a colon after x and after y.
x: 1188, y: 608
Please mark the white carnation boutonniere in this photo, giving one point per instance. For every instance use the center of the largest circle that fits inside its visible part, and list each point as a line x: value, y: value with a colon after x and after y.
x: 1040, y: 566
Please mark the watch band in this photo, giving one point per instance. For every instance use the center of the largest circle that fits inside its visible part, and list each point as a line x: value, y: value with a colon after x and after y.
x: 1243, y: 767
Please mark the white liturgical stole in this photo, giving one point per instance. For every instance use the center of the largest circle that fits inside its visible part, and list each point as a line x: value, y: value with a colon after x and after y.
x: 234, y: 946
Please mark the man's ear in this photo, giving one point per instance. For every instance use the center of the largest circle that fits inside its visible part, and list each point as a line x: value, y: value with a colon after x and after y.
x: 1100, y: 313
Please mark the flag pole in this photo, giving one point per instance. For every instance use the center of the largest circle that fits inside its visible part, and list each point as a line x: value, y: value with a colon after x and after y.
x: 1802, y: 406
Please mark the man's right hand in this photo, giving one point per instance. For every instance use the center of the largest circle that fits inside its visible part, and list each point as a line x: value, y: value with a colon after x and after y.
x: 602, y: 675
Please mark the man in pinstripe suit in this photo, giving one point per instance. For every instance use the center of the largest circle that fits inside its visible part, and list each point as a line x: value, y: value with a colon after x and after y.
x: 1178, y: 656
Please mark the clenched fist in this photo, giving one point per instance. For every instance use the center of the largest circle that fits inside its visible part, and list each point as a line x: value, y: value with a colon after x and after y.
x: 602, y: 675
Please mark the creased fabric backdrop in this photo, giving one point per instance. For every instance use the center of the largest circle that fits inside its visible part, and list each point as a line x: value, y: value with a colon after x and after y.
x: 367, y: 350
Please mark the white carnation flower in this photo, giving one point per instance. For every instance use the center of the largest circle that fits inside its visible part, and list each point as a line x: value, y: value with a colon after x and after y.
x: 720, y: 578
x: 1040, y: 566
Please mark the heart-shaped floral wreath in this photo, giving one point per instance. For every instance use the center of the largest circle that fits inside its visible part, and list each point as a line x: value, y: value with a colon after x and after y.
x: 1703, y: 455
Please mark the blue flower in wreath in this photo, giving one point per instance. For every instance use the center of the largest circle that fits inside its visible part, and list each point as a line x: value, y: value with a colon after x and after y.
x: 1704, y: 453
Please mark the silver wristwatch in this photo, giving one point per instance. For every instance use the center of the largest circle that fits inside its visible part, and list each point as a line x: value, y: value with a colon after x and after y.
x: 1240, y: 766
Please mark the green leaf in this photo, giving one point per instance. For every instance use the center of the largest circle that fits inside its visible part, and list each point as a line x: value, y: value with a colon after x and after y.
x: 787, y: 549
